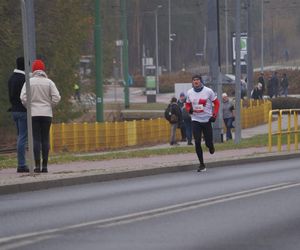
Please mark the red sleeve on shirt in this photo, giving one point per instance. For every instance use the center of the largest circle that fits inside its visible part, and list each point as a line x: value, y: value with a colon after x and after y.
x: 188, y: 106
x: 216, y: 107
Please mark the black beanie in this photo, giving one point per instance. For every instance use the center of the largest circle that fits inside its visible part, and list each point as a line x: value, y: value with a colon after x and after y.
x: 197, y: 77
x: 20, y: 63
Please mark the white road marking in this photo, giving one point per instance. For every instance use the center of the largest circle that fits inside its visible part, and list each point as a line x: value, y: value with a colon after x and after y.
x: 26, y: 242
x: 129, y: 218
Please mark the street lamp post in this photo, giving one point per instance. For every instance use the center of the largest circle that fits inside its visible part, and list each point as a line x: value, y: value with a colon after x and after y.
x: 200, y: 55
x: 226, y: 37
x: 28, y: 29
x: 170, y: 38
x: 156, y: 50
x: 262, y: 37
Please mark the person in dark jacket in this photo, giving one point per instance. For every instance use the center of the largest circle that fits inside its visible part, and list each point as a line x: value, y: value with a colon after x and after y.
x: 284, y: 84
x: 19, y: 112
x: 256, y: 93
x: 275, y: 84
x: 181, y: 102
x: 175, y: 119
x: 262, y: 81
x: 228, y: 115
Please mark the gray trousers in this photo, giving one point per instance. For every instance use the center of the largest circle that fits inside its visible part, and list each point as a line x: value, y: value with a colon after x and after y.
x: 173, y: 133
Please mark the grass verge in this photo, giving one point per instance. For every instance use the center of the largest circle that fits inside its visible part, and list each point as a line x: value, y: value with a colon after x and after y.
x: 9, y: 161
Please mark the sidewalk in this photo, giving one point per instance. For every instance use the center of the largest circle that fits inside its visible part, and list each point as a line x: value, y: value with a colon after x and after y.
x: 91, y: 171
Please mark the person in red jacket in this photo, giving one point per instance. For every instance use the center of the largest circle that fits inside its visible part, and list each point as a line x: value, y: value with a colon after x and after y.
x: 203, y: 105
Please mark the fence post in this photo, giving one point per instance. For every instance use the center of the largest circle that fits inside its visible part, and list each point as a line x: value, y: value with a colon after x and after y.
x: 270, y: 130
x: 289, y: 131
x: 63, y: 134
x: 75, y: 137
x: 296, y: 129
x: 97, y: 142
x: 279, y: 131
x: 85, y: 137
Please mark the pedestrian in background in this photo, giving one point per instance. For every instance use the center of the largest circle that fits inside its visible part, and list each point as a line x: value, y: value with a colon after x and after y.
x: 228, y: 115
x: 275, y: 84
x: 188, y: 125
x: 77, y: 92
x: 199, y: 104
x: 256, y: 93
x: 262, y: 81
x: 181, y: 103
x: 173, y: 115
x: 270, y: 88
x: 284, y: 83
x: 19, y: 112
x: 44, y: 95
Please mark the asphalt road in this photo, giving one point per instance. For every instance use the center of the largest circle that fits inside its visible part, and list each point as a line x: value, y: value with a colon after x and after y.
x: 254, y: 206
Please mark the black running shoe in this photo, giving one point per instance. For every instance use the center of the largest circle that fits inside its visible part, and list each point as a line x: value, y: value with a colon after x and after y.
x: 212, y: 150
x: 37, y: 170
x: 23, y: 169
x: 201, y: 168
x: 44, y: 170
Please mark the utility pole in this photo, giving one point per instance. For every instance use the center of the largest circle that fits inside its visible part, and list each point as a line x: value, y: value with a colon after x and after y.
x: 237, y: 134
x: 156, y: 53
x: 262, y: 38
x: 170, y: 37
x: 249, y: 50
x: 226, y: 37
x: 214, y: 61
x: 125, y: 51
x: 26, y: 45
x: 31, y: 31
x: 98, y: 59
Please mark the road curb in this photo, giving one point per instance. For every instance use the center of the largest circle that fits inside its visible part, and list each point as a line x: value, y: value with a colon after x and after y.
x: 88, y: 178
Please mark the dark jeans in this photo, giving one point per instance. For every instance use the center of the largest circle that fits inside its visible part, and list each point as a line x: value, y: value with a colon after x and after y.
x: 182, y: 131
x: 188, y: 130
x: 228, y: 123
x: 40, y: 129
x: 204, y: 128
x: 20, y: 119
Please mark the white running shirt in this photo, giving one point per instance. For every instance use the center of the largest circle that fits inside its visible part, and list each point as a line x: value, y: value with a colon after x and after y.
x: 201, y: 103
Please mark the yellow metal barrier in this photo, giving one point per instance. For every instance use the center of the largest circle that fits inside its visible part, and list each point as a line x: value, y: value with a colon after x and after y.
x: 290, y: 113
x: 76, y: 137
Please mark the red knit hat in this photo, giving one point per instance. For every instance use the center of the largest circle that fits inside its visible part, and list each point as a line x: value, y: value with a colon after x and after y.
x: 38, y: 65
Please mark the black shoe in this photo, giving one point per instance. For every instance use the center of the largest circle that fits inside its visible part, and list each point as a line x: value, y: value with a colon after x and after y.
x: 23, y: 169
x: 212, y: 150
x: 44, y: 170
x: 190, y: 143
x: 37, y: 170
x: 201, y: 168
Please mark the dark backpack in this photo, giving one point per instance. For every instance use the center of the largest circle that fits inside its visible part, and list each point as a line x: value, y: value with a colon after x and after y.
x: 168, y: 112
